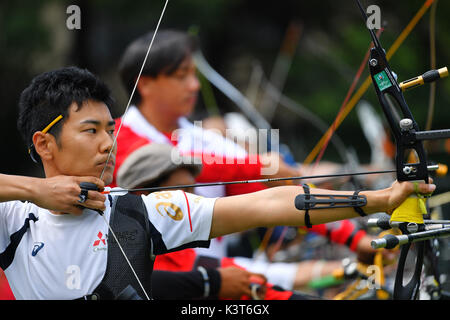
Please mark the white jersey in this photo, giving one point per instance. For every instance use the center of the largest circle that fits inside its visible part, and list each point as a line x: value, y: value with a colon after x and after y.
x: 48, y: 256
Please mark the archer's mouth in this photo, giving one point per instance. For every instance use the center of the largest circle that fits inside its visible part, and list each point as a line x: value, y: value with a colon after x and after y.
x: 108, y: 164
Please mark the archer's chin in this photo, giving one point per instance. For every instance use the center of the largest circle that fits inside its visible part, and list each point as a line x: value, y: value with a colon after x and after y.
x: 107, y: 178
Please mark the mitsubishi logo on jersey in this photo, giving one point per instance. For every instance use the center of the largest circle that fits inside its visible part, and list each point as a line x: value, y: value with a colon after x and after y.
x: 99, y: 241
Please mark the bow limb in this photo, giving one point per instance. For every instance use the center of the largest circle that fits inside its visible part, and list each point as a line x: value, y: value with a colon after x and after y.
x: 279, y: 73
x: 432, y: 65
x: 339, y: 115
x: 366, y: 84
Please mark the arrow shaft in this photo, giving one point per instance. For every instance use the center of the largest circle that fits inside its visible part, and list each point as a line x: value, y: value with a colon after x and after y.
x: 208, y: 184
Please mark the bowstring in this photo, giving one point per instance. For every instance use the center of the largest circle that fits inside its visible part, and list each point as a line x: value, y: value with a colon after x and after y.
x: 115, y: 142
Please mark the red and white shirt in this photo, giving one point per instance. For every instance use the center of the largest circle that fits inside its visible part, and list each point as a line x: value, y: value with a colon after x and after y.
x: 222, y: 159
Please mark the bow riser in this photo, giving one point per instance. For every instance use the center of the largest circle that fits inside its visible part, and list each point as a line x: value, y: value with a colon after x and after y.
x: 385, y: 84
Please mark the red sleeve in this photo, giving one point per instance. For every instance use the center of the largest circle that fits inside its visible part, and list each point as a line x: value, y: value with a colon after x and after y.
x: 176, y: 261
x: 272, y: 293
x: 235, y: 189
x: 228, y: 168
x: 5, y: 290
x: 341, y: 232
x: 231, y: 169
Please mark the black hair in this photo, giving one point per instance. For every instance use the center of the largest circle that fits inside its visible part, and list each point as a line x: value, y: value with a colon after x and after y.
x: 51, y: 94
x: 168, y: 51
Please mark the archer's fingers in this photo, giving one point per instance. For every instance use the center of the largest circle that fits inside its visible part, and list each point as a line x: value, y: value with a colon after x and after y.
x: 93, y: 204
x: 411, y: 187
x: 96, y: 196
x: 260, y: 278
x: 93, y: 200
x: 246, y: 290
x: 255, y: 279
x: 425, y: 188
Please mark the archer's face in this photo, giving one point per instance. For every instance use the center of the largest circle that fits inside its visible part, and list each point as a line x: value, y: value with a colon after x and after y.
x: 176, y: 94
x: 86, y: 139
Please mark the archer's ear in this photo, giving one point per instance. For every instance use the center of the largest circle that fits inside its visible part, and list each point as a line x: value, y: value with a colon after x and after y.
x: 44, y: 145
x: 145, y: 86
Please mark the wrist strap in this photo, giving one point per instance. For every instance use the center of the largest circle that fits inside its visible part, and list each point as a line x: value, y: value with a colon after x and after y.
x: 307, y: 197
x: 205, y: 281
x: 358, y: 209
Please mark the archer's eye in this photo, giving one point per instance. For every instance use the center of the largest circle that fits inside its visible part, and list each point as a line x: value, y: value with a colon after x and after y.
x: 90, y: 130
x: 181, y: 74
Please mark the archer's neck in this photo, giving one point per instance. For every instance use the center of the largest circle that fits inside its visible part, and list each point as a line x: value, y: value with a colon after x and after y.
x: 162, y: 121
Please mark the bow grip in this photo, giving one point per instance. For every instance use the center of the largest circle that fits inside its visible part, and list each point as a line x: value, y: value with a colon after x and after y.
x: 412, y: 209
x: 409, y: 211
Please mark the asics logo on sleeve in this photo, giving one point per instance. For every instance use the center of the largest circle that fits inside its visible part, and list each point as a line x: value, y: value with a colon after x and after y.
x: 36, y: 247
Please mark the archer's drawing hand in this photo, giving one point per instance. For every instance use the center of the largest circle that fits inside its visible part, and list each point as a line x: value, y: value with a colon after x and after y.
x: 62, y: 194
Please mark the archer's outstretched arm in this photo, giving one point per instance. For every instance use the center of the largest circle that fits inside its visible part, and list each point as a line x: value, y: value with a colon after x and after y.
x: 275, y: 207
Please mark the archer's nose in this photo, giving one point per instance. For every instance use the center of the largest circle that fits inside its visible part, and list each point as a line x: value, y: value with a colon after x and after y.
x: 193, y: 83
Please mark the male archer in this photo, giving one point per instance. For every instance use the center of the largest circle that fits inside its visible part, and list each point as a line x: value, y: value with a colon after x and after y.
x: 54, y: 242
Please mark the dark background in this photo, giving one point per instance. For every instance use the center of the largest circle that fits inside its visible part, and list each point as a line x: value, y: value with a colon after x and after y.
x: 235, y: 36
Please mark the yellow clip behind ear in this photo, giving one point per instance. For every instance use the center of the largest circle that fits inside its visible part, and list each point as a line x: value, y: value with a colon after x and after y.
x: 51, y: 124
